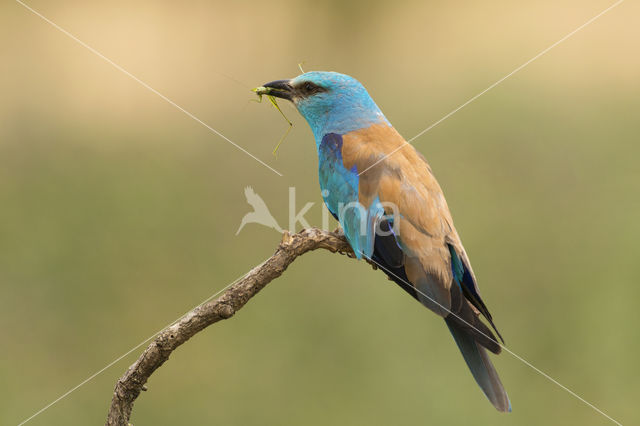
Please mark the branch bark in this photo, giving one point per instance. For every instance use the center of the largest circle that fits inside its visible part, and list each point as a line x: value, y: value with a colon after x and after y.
x: 130, y: 385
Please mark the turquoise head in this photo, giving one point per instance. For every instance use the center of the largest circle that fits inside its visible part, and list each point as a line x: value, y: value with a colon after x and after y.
x: 330, y: 102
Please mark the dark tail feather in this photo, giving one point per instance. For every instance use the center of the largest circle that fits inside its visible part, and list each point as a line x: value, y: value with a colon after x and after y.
x: 481, y: 367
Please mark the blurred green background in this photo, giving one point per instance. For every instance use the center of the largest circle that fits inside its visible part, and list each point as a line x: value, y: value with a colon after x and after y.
x: 118, y: 213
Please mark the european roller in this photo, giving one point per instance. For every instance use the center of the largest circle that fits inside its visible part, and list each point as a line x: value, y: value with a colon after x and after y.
x: 393, y: 212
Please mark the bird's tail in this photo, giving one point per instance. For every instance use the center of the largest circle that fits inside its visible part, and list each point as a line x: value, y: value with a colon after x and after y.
x: 480, y: 365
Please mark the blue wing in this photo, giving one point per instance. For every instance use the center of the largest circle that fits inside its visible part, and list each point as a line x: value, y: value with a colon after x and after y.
x: 340, y: 192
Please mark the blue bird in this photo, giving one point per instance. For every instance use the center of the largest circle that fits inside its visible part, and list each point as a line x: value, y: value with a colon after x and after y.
x: 393, y: 211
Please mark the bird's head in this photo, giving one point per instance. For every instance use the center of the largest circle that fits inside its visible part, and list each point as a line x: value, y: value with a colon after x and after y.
x: 330, y: 102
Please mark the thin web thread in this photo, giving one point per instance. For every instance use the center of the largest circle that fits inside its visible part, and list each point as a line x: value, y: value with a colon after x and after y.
x: 492, y: 86
x: 518, y: 357
x: 115, y: 361
x: 145, y: 85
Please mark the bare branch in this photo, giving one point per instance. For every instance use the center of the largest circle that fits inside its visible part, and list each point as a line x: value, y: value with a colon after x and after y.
x: 132, y: 382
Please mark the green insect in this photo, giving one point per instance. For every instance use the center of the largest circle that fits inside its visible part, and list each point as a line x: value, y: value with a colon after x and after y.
x: 265, y: 91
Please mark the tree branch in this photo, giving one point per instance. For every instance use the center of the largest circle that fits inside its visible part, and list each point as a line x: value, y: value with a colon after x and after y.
x: 235, y: 297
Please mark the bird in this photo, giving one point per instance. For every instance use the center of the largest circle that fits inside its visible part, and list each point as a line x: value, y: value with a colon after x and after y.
x: 260, y: 213
x: 393, y: 212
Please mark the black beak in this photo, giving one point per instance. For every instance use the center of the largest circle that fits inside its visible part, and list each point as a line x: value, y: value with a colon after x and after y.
x: 280, y: 89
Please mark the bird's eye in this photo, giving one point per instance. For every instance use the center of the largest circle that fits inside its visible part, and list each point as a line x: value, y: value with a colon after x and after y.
x: 309, y: 88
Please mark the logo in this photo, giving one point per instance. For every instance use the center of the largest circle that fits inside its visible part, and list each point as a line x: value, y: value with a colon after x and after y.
x: 260, y: 213
x: 378, y: 218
